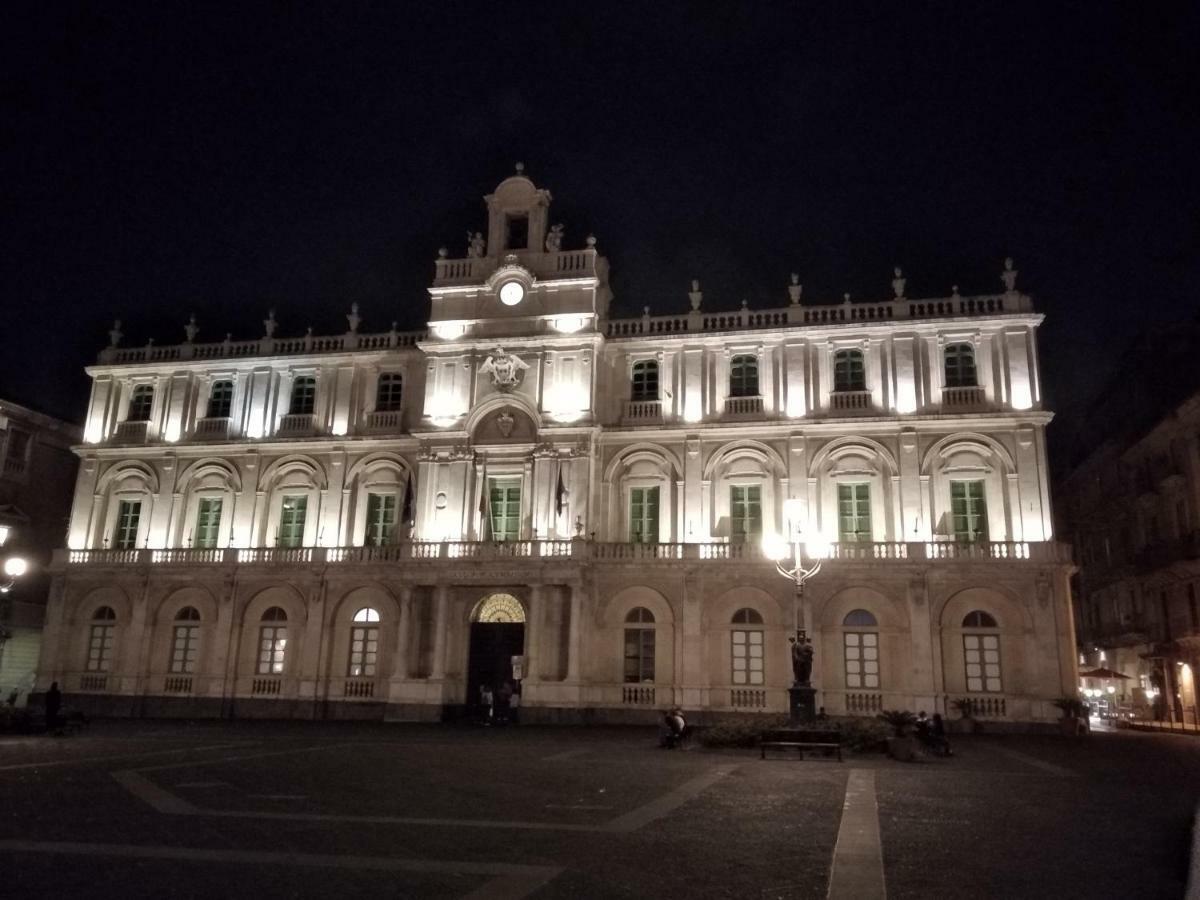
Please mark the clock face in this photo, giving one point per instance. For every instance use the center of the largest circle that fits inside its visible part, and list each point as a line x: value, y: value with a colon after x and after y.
x: 512, y: 293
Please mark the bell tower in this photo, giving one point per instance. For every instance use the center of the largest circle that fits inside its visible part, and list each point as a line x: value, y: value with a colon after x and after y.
x: 517, y: 214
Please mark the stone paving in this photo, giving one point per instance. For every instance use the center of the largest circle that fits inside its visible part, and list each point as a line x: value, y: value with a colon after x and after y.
x: 315, y: 810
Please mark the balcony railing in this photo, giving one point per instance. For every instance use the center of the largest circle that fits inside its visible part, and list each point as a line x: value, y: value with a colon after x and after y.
x: 456, y: 551
x: 963, y: 398
x: 177, y: 684
x: 743, y: 406
x: 850, y: 401
x: 296, y: 425
x: 637, y: 695
x: 131, y: 432
x: 214, y: 429
x: 643, y: 412
x: 748, y: 698
x: 383, y: 420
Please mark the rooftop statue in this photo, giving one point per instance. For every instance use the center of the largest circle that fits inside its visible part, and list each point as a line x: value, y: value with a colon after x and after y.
x: 114, y: 336
x: 191, y: 329
x: 1009, y: 276
x: 554, y: 239
x: 476, y: 245
x: 898, y: 283
x: 354, y: 319
x: 269, y: 323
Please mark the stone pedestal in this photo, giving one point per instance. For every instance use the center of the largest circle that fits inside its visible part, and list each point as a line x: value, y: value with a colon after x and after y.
x: 802, y: 704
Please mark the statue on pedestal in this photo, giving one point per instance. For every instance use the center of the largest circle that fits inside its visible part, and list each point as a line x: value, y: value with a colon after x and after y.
x: 802, y: 661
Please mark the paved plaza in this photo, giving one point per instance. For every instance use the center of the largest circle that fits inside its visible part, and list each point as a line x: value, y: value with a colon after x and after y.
x: 265, y: 810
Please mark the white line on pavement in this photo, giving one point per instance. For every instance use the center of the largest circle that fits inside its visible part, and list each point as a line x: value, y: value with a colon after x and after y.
x: 80, y: 761
x: 509, y: 880
x: 857, y: 870
x: 667, y: 803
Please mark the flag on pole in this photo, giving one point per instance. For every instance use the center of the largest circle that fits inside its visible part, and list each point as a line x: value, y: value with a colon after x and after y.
x: 406, y: 512
x: 560, y: 493
x: 485, y: 520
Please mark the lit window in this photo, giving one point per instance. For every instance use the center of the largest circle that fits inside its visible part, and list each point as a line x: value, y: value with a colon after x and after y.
x: 304, y: 396
x: 849, y: 371
x: 639, y: 646
x: 861, y: 650
x: 220, y: 400
x: 745, y: 512
x: 389, y: 393
x: 968, y: 510
x: 272, y: 642
x: 100, y: 639
x: 505, y: 499
x: 292, y: 513
x: 185, y: 642
x: 129, y: 513
x: 645, y: 381
x: 140, y: 403
x: 854, y: 512
x: 981, y: 654
x: 960, y: 366
x: 743, y: 376
x: 746, y: 648
x: 643, y: 515
x: 208, y: 522
x: 381, y: 519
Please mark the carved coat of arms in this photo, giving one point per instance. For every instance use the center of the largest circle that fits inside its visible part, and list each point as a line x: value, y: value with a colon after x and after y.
x: 505, y: 369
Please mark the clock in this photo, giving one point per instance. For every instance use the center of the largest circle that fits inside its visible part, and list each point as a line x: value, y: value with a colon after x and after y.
x: 512, y: 293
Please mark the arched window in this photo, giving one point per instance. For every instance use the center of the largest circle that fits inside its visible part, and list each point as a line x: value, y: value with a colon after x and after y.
x: 968, y: 511
x: 272, y: 642
x: 743, y: 376
x: 128, y: 522
x: 220, y: 399
x: 981, y: 654
x: 746, y: 647
x: 390, y: 392
x: 293, y: 511
x: 141, y: 401
x: 861, y: 644
x: 100, y: 639
x: 645, y: 380
x: 960, y: 366
x: 364, y: 644
x: 304, y: 396
x: 639, y: 646
x: 185, y: 641
x: 849, y: 371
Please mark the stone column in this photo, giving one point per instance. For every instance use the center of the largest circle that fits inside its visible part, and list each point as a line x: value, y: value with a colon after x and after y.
x: 441, y: 602
x: 400, y: 652
x: 533, y: 633
x: 576, y: 639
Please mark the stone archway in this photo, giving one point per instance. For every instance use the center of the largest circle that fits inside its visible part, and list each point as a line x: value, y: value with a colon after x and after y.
x: 497, y: 635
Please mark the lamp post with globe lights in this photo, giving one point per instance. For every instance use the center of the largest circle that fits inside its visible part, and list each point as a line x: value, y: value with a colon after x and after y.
x: 789, y: 554
x: 14, y: 568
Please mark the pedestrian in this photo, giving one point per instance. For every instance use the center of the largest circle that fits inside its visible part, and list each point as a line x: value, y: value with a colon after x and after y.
x: 666, y: 730
x: 937, y: 730
x: 53, y: 705
x: 678, y: 727
x: 503, y: 701
x: 485, y: 702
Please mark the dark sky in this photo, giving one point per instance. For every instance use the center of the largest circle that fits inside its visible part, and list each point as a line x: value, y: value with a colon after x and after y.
x: 165, y: 158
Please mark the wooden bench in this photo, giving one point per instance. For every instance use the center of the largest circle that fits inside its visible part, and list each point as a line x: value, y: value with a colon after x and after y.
x: 829, y: 742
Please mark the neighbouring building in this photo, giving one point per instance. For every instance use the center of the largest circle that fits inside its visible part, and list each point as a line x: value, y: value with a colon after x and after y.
x: 1131, y: 506
x: 377, y: 524
x: 37, y: 475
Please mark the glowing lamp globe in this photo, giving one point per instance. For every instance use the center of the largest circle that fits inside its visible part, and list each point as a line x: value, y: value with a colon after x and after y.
x: 817, y: 548
x: 774, y: 547
x: 15, y: 567
x: 793, y: 509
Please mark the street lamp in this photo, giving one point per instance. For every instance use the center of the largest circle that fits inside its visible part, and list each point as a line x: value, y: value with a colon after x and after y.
x: 794, y: 549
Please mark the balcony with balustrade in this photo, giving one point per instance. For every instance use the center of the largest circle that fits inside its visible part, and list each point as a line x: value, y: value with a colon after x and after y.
x: 297, y: 425
x: 642, y: 412
x: 851, y: 402
x: 743, y: 407
x: 546, y: 266
x: 454, y: 553
x: 213, y: 429
x: 958, y: 399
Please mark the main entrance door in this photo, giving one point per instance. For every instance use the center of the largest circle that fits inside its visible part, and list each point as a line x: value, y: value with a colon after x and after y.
x: 497, y: 635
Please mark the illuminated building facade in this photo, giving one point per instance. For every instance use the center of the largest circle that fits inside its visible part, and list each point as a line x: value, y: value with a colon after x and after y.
x: 374, y: 525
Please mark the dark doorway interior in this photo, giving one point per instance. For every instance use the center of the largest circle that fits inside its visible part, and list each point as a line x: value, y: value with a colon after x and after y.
x: 493, y: 645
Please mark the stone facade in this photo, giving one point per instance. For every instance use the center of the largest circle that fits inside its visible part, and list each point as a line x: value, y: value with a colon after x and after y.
x: 37, y: 472
x: 607, y: 481
x: 1131, y: 507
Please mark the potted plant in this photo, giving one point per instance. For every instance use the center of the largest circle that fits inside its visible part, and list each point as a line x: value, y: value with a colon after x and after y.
x: 966, y: 715
x: 1074, y: 715
x: 901, y: 745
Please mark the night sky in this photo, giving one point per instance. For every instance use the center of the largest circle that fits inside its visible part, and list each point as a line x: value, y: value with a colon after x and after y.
x: 160, y: 159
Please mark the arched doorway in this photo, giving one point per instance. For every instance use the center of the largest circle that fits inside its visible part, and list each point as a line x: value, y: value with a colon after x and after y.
x: 497, y: 635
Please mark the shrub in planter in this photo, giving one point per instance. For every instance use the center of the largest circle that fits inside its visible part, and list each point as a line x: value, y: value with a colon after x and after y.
x: 1074, y: 715
x: 901, y: 745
